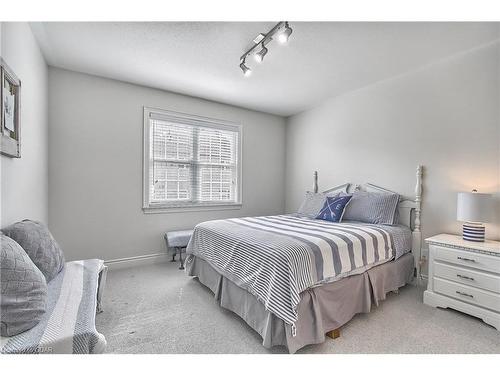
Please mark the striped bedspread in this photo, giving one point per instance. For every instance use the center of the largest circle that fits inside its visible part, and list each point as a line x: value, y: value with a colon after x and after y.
x: 277, y: 257
x: 68, y: 325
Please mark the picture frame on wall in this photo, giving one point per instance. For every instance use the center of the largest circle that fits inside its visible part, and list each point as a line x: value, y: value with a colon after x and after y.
x: 10, y: 112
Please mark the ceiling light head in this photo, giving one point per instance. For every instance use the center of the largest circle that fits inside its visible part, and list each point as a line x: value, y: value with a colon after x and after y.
x: 285, y: 34
x: 259, y: 56
x: 246, y: 70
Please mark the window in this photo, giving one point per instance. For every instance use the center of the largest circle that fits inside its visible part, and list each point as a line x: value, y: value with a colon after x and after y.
x: 190, y: 161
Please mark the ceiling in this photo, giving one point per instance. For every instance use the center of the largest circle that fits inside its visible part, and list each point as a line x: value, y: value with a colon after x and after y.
x: 321, y: 60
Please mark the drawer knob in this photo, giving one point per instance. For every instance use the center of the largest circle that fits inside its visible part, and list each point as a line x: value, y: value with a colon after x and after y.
x: 464, y: 294
x: 465, y: 277
x: 466, y: 259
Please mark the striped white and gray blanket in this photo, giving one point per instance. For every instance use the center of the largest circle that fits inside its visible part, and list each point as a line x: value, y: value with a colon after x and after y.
x: 277, y: 257
x: 68, y: 325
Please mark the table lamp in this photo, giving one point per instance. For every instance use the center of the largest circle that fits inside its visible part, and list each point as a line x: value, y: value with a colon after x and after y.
x: 473, y: 209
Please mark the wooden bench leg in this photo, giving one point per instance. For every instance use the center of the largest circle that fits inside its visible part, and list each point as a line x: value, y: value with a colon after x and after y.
x: 335, y: 334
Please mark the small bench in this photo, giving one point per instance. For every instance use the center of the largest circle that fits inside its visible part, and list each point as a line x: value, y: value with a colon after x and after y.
x: 178, y: 240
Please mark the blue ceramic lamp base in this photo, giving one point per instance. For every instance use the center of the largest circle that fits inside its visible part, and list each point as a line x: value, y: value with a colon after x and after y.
x: 473, y: 232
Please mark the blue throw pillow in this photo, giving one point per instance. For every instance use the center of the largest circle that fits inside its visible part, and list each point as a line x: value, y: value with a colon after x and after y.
x: 334, y: 207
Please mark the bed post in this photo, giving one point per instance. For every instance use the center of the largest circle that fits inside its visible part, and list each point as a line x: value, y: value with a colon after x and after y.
x: 315, y: 183
x: 416, y: 233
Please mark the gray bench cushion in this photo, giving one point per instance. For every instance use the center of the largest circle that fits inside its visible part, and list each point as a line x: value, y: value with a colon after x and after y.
x: 179, y: 238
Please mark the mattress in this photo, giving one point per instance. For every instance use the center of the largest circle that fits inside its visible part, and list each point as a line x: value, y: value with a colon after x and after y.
x: 401, y: 236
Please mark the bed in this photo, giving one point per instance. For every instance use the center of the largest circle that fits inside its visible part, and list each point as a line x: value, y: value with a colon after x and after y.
x: 294, y: 279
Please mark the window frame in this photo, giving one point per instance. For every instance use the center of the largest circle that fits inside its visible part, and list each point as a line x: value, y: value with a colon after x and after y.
x: 193, y: 120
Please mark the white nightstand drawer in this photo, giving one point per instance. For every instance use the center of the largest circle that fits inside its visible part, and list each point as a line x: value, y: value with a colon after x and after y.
x: 467, y: 276
x: 467, y: 258
x: 467, y: 293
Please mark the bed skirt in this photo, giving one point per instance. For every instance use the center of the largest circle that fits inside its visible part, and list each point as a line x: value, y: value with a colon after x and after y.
x: 321, y: 309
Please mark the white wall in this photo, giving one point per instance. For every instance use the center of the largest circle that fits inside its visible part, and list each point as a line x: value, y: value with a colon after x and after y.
x: 24, y: 181
x: 95, y: 158
x: 444, y: 116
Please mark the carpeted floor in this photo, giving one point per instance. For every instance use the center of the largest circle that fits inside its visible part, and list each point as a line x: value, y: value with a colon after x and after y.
x: 158, y: 309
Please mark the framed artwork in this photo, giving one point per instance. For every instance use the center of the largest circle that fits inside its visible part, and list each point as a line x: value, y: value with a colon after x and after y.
x: 10, y: 111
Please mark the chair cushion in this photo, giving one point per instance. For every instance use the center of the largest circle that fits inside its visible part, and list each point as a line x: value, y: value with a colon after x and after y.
x: 178, y: 238
x: 23, y: 287
x: 36, y: 239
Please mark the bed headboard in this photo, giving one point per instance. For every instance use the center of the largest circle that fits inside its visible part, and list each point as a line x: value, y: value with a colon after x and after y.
x: 409, y: 209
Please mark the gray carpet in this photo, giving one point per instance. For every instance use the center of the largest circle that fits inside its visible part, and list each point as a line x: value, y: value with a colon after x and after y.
x: 158, y: 309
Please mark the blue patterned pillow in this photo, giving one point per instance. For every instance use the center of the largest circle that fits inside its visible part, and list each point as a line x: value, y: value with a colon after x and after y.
x: 334, y: 207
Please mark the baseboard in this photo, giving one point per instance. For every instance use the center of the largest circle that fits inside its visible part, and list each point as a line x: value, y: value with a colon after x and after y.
x: 140, y: 260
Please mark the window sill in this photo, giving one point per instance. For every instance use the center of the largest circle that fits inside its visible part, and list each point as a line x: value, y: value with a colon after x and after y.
x: 194, y: 208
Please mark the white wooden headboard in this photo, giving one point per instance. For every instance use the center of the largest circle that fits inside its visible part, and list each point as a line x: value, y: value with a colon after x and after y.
x: 409, y: 209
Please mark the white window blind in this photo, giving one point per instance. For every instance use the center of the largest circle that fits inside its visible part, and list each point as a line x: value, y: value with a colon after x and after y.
x: 191, y: 161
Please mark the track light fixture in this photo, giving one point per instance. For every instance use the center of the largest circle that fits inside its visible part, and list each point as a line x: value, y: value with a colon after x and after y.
x: 280, y: 32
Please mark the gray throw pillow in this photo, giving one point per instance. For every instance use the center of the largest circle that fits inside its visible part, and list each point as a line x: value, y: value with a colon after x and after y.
x: 23, y: 290
x: 37, y: 241
x: 313, y: 203
x: 374, y: 208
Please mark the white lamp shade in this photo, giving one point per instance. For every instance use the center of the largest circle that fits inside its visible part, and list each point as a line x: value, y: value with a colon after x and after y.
x: 474, y: 207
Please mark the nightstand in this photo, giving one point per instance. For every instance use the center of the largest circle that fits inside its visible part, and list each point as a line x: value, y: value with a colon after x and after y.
x: 465, y: 276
